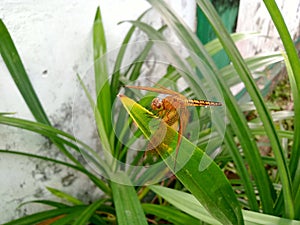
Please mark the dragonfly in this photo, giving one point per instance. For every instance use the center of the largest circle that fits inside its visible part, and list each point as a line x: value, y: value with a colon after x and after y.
x: 173, y: 109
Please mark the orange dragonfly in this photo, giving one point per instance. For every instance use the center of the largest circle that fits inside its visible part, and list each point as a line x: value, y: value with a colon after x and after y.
x: 173, y: 108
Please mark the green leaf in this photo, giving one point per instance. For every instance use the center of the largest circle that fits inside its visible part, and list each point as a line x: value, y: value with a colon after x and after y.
x: 104, y: 137
x: 103, y: 93
x: 184, y: 202
x: 293, y: 65
x: 127, y: 204
x: 49, y: 214
x: 65, y: 196
x: 77, y: 217
x: 189, y: 204
x: 295, y: 155
x: 198, y: 173
x: 215, y: 46
x: 169, y: 214
x: 85, y: 216
x: 15, y: 66
x: 63, y: 139
x: 232, y: 77
x: 48, y: 203
x: 115, y: 80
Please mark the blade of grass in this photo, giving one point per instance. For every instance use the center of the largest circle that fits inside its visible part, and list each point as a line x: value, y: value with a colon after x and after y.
x: 115, y: 80
x: 98, y: 182
x: 230, y: 75
x: 66, y: 219
x: 106, y: 147
x: 242, y: 169
x: 169, y: 214
x: 85, y: 215
x: 61, y: 220
x: 42, y: 129
x: 53, y: 133
x: 48, y: 203
x: 64, y: 196
x: 188, y: 203
x: 295, y: 154
x: 104, y: 104
x: 193, y: 168
x: 256, y: 96
x: 297, y: 196
x: 185, y: 202
x: 294, y: 77
x: 99, y: 120
x: 134, y: 70
x: 15, y: 66
x: 128, y: 206
x: 49, y: 214
x: 215, y: 46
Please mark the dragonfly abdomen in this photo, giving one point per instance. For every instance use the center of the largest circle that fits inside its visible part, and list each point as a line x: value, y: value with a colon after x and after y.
x: 192, y: 102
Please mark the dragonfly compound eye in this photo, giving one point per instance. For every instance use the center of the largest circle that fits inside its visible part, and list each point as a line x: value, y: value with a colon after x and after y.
x: 156, y: 104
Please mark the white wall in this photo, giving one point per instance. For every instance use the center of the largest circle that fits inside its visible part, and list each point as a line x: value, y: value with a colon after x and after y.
x: 54, y: 40
x: 253, y: 16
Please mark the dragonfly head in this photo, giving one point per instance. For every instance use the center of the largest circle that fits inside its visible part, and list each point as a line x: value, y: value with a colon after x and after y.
x: 157, y: 104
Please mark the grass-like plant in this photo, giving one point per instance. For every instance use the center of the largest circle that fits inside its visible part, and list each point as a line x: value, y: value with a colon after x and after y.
x: 254, y: 197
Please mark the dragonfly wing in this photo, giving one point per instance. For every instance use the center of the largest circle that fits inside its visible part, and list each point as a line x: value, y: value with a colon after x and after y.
x: 184, y: 115
x: 161, y: 90
x: 157, y: 137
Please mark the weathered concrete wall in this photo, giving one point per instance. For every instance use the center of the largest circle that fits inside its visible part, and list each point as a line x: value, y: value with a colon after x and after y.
x: 54, y: 40
x: 253, y: 16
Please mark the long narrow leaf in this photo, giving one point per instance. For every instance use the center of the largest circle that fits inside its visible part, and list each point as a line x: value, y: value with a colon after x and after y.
x: 128, y: 206
x: 256, y: 96
x: 101, y: 73
x: 85, y: 216
x: 46, y: 215
x: 53, y: 133
x: 115, y: 82
x: 104, y: 137
x: 294, y: 77
x: 188, y: 203
x: 193, y: 168
x: 98, y: 182
x: 65, y: 196
x: 231, y: 76
x: 294, y: 163
x: 215, y: 46
x: 172, y: 215
x: 15, y: 66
